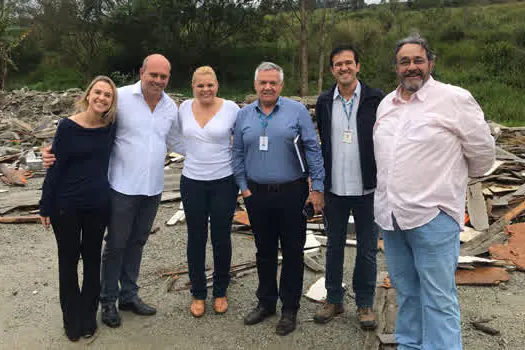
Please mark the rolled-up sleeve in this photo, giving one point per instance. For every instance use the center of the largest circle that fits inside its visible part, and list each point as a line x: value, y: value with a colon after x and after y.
x: 312, y: 150
x: 239, y: 170
x: 477, y: 142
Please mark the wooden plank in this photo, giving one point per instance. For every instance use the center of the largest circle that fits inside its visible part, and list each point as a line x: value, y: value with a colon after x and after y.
x: 20, y: 219
x: 385, y: 308
x: 494, y: 235
x: 477, y: 209
x: 468, y: 234
x: 496, y: 165
x: 171, y: 180
x: 169, y: 196
x: 10, y: 201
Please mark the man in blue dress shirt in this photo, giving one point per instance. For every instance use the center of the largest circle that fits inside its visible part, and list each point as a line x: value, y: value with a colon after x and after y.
x: 275, y: 189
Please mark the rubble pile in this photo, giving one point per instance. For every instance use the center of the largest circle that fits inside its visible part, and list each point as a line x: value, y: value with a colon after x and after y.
x: 493, y: 239
x: 28, y: 120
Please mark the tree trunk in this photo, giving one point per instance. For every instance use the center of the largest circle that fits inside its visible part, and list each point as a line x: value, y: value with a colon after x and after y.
x: 322, y: 54
x: 4, y: 76
x: 303, y: 48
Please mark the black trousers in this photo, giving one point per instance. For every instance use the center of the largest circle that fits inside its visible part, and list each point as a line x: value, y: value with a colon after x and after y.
x: 276, y: 215
x: 79, y: 232
x: 216, y: 200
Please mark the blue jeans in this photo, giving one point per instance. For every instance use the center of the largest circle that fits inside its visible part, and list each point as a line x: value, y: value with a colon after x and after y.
x: 216, y: 200
x: 422, y: 264
x: 337, y: 212
x: 130, y: 221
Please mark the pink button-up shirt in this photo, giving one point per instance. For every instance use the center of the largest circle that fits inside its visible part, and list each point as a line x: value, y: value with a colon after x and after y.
x: 425, y: 149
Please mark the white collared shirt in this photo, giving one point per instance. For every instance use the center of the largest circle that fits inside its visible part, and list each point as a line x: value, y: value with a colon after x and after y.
x: 346, y: 163
x: 136, y: 165
x: 425, y: 149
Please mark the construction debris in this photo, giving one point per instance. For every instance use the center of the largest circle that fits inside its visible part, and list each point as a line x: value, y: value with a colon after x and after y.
x: 317, y: 291
x: 514, y: 249
x: 480, y: 325
x: 241, y: 217
x: 482, y: 276
x: 25, y: 199
x: 20, y: 219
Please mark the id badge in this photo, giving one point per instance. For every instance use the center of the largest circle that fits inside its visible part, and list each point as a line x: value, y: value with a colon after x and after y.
x: 263, y: 143
x: 347, y: 136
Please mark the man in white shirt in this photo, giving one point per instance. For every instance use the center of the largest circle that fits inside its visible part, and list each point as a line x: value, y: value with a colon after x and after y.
x: 429, y: 137
x: 146, y: 125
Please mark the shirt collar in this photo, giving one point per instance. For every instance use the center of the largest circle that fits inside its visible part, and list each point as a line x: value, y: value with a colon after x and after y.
x: 278, y: 105
x: 357, y: 91
x: 137, y: 90
x: 421, y: 94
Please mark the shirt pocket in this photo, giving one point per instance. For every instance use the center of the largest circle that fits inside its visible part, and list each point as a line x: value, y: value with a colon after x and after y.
x: 424, y: 128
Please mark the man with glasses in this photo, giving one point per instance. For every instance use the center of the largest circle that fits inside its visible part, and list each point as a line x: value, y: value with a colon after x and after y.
x: 429, y: 138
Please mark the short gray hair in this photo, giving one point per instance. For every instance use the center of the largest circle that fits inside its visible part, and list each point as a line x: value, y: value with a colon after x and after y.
x: 414, y: 39
x: 265, y: 66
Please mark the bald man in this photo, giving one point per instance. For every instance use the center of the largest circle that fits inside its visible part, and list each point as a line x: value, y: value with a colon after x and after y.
x: 146, y: 125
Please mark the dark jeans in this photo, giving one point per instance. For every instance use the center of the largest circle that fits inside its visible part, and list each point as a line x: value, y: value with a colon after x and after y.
x: 215, y: 200
x: 276, y: 215
x: 131, y: 218
x: 337, y: 211
x: 79, y: 232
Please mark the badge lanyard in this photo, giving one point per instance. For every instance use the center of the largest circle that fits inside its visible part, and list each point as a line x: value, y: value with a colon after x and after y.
x: 263, y: 139
x: 347, y: 133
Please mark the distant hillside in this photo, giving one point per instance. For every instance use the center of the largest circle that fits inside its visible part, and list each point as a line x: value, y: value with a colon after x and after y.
x: 481, y: 48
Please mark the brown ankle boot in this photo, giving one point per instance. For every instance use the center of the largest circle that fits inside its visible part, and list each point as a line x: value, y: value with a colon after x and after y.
x: 327, y: 312
x: 367, y: 319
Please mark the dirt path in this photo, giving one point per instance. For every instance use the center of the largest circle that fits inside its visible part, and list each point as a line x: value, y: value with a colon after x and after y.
x: 30, y: 316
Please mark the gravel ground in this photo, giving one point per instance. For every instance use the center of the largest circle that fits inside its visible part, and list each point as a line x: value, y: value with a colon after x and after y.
x: 30, y: 316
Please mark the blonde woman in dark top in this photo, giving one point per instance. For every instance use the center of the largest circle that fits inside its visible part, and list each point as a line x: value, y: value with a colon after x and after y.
x: 74, y: 202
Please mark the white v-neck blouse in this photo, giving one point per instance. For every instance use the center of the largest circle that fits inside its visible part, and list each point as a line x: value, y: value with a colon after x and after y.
x: 208, y: 149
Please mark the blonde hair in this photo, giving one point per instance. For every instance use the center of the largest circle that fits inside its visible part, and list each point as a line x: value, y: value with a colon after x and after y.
x: 201, y: 71
x: 82, y: 103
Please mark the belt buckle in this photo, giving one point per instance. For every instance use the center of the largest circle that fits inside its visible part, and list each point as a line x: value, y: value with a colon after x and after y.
x: 273, y: 187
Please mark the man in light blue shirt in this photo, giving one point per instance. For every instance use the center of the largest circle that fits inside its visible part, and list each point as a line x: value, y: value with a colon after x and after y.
x: 267, y: 167
x: 345, y: 117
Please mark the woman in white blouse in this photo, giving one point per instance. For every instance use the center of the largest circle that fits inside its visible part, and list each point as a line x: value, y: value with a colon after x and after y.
x: 208, y: 188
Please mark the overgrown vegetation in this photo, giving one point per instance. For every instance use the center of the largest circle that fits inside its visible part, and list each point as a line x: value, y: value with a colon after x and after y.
x: 479, y: 46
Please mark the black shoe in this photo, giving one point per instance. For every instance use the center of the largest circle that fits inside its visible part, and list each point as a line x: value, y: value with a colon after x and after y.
x: 89, y: 325
x: 258, y: 315
x: 110, y: 315
x: 287, y: 323
x: 88, y: 332
x: 72, y: 335
x: 137, y: 306
x: 72, y: 327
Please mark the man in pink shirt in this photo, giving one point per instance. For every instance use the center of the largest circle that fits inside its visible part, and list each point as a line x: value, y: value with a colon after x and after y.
x: 429, y: 137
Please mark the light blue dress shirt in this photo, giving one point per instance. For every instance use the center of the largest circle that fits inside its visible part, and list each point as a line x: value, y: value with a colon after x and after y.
x: 279, y: 164
x: 346, y: 163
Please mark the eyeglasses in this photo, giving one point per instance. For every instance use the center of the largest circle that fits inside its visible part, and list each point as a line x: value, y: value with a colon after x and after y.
x: 405, y: 62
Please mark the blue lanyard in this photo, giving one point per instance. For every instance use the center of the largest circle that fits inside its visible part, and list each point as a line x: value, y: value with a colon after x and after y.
x: 348, y: 113
x: 264, y: 120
